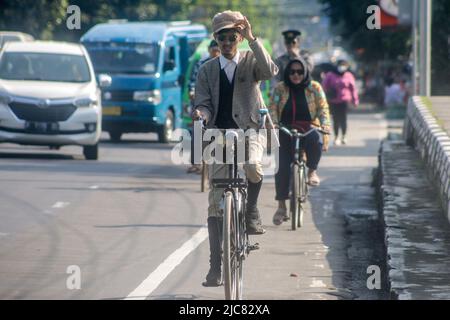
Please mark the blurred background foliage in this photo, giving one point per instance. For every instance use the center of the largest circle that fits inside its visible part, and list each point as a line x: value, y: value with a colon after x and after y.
x: 45, y: 19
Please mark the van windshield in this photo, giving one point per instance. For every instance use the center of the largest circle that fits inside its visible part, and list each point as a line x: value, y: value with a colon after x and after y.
x: 33, y: 66
x: 113, y: 57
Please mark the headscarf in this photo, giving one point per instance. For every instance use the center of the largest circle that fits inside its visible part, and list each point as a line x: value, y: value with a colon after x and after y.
x: 306, y: 75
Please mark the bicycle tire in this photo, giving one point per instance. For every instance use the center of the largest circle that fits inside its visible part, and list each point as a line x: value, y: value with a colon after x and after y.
x: 303, y: 191
x: 295, y: 204
x: 230, y: 267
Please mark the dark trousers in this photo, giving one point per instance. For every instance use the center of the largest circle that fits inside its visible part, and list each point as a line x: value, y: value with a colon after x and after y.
x: 339, y: 113
x: 312, y: 145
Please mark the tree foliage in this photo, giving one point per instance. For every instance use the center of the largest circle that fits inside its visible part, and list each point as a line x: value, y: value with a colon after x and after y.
x: 349, y: 19
x: 440, y: 54
x: 46, y: 19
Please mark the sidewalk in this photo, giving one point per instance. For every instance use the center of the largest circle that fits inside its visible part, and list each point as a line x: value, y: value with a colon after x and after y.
x: 327, y: 258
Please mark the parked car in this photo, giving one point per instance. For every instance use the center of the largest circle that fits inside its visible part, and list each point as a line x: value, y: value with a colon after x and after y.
x: 147, y: 62
x: 8, y: 36
x: 49, y: 96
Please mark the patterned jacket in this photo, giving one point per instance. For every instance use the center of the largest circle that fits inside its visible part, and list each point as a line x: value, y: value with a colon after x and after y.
x: 315, y: 97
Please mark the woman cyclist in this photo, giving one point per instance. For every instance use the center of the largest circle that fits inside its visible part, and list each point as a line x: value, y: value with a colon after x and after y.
x: 298, y: 103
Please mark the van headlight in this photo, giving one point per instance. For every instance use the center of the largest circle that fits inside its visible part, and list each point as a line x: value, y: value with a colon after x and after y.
x: 153, y: 96
x: 86, y: 102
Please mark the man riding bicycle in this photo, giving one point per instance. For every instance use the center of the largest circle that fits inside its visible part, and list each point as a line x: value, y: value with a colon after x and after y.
x: 297, y: 103
x: 227, y: 96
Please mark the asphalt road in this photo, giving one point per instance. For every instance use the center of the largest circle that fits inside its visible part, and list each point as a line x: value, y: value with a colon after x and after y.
x: 133, y: 225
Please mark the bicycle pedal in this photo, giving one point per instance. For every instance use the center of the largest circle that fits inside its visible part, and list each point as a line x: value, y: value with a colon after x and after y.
x: 253, y: 247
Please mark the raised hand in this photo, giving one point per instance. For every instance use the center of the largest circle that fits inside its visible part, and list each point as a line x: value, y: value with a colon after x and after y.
x: 245, y: 29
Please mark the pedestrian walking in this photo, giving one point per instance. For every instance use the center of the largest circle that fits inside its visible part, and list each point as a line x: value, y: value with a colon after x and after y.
x: 293, y: 50
x: 340, y: 88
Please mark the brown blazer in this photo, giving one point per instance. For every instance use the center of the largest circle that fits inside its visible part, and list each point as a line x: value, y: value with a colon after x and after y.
x: 253, y: 67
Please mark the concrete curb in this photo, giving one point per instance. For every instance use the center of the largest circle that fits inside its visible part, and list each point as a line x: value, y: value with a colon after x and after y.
x: 416, y: 235
x: 422, y: 131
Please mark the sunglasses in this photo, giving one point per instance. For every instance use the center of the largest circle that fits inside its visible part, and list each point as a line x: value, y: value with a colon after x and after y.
x: 222, y: 38
x: 296, y: 71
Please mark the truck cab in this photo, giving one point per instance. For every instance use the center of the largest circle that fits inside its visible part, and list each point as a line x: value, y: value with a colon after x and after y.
x: 146, y: 63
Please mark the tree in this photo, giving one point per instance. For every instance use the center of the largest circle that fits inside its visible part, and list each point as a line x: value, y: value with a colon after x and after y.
x: 39, y: 18
x: 349, y: 20
x: 440, y: 51
x: 46, y: 19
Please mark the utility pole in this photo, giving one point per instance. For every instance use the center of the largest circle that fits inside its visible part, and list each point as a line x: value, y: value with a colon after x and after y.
x: 425, y: 47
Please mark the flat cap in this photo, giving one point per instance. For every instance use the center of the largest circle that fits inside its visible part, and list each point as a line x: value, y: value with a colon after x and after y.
x: 291, y: 34
x: 226, y: 20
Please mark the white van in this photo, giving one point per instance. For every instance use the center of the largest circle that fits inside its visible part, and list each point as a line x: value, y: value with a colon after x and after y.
x: 7, y: 36
x: 49, y: 96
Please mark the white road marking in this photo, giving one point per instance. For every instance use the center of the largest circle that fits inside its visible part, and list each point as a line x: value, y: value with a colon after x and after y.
x: 60, y: 205
x: 321, y: 266
x: 93, y: 187
x: 164, y: 269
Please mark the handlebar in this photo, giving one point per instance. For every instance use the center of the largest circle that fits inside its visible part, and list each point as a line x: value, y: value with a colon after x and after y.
x: 294, y: 132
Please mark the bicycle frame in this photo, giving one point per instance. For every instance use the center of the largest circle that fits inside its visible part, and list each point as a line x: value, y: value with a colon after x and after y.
x: 236, y: 245
x: 298, y: 184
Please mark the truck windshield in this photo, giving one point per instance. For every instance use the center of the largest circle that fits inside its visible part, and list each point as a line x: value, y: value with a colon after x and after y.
x: 33, y: 66
x: 113, y: 57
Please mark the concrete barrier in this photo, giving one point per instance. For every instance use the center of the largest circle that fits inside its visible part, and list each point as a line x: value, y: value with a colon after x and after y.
x: 423, y: 131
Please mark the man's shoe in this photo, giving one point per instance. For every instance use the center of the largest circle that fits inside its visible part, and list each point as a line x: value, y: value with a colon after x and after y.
x: 213, y: 279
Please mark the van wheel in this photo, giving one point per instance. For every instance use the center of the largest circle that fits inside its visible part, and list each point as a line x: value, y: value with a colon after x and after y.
x: 115, y: 136
x: 91, y: 152
x: 165, y: 132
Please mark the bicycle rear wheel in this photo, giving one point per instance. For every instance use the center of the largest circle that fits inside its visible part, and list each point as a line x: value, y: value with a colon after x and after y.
x: 302, y: 194
x: 232, y: 264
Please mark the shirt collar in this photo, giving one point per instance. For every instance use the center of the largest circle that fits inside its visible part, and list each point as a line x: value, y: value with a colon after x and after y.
x: 224, y: 61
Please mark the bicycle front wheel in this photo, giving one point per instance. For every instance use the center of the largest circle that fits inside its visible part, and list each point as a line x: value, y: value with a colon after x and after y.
x: 302, y: 194
x: 295, y: 194
x: 232, y: 268
x: 299, y: 190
